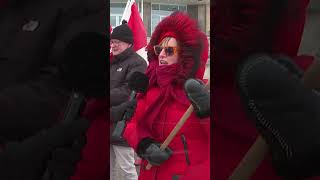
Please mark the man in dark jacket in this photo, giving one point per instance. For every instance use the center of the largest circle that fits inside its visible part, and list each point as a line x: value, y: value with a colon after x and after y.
x: 33, y: 38
x: 124, y: 62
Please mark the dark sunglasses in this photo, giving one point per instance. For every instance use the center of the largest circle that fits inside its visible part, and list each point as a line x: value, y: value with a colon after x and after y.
x: 167, y: 49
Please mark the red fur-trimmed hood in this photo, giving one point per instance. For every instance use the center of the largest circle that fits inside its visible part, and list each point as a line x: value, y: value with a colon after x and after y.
x: 193, y: 45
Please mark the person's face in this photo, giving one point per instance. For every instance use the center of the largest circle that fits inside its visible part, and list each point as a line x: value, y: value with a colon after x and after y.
x: 167, y: 51
x: 117, y: 46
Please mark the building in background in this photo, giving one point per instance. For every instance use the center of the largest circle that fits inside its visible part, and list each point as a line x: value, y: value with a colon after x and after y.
x: 309, y: 45
x: 153, y: 11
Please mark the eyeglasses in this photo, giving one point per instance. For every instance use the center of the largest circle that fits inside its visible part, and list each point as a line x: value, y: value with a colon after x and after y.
x: 168, y: 50
x: 115, y: 42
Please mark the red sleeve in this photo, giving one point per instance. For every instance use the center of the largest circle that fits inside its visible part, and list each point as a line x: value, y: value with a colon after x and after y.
x: 288, y: 34
x: 93, y: 164
x: 95, y: 155
x: 303, y: 61
x: 239, y: 28
x: 244, y: 27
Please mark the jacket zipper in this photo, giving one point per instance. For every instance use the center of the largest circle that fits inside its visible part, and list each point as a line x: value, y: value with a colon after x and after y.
x: 185, y: 147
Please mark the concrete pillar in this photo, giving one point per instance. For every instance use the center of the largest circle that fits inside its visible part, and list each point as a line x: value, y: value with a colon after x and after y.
x: 208, y: 19
x: 147, y: 17
x: 202, y: 17
x: 314, y: 5
x: 193, y: 11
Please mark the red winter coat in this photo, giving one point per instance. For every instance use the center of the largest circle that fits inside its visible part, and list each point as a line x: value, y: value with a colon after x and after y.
x: 159, y: 109
x: 238, y: 33
x: 195, y: 130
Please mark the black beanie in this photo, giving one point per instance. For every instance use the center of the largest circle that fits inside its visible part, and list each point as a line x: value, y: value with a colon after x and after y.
x: 123, y: 33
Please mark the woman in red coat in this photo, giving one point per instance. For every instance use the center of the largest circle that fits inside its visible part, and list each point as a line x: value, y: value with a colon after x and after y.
x: 178, y: 50
x: 241, y: 28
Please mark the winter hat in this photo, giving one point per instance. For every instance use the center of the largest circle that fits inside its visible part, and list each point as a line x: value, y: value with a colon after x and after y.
x: 123, y: 33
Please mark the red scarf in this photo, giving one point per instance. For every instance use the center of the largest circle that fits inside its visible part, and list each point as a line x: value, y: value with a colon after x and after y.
x: 163, y: 77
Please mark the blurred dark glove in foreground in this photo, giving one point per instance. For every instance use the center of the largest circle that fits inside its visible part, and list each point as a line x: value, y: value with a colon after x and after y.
x: 284, y: 111
x: 26, y: 160
x: 63, y: 160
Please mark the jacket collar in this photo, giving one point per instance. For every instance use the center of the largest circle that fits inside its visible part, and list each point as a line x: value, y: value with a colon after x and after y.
x: 123, y: 56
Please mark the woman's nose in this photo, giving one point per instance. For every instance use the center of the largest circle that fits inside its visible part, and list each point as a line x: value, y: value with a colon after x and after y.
x: 162, y: 53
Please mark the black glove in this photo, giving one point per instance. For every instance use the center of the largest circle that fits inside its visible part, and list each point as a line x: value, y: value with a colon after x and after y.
x: 199, y: 97
x: 150, y: 151
x: 27, y: 160
x: 286, y: 114
x: 63, y: 160
x: 124, y: 110
x: 118, y: 113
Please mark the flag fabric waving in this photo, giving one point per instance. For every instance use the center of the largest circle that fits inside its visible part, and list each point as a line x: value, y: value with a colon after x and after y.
x: 132, y: 16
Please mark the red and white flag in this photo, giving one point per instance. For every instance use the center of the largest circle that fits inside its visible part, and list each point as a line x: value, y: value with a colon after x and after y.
x: 132, y: 16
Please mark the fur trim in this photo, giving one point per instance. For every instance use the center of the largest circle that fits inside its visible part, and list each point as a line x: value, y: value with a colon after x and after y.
x: 193, y: 44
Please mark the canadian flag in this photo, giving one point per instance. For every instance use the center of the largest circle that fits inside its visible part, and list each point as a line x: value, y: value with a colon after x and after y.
x: 132, y: 16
